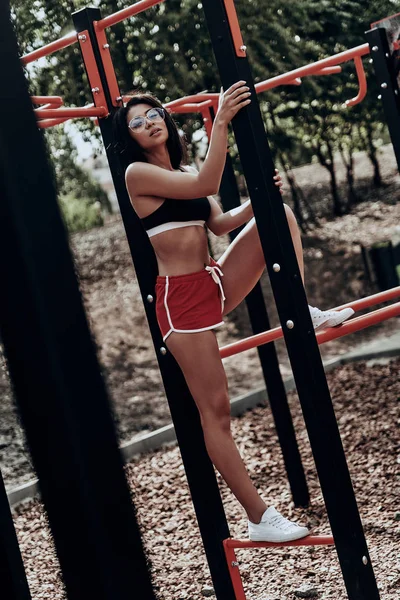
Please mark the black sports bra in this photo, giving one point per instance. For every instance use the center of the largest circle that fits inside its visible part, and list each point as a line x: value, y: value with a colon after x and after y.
x: 173, y: 214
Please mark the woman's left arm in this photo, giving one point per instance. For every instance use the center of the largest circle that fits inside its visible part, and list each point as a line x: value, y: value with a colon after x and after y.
x: 221, y: 223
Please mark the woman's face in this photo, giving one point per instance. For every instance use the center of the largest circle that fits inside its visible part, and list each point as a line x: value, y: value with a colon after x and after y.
x: 148, y: 132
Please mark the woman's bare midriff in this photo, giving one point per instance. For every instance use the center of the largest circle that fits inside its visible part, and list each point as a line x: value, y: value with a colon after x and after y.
x: 181, y: 251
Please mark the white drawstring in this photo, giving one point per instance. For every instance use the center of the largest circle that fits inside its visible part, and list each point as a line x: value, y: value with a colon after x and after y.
x: 216, y: 274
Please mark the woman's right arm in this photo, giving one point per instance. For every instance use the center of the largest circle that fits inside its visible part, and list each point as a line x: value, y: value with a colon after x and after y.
x: 144, y: 179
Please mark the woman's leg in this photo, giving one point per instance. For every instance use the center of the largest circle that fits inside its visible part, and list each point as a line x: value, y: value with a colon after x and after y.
x: 243, y: 262
x: 198, y: 356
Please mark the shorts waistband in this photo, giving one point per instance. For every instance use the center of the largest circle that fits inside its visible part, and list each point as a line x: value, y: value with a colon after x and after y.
x: 188, y: 277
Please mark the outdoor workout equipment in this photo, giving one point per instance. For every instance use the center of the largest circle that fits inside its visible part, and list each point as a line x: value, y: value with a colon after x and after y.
x: 52, y: 361
x: 384, y: 41
x: 54, y: 325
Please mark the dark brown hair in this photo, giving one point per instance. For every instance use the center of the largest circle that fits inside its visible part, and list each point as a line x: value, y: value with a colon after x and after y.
x: 128, y: 148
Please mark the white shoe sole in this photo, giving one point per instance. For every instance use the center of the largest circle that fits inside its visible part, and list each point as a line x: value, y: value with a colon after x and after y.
x: 304, y: 532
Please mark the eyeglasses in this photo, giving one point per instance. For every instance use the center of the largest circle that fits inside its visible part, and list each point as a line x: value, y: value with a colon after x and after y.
x: 155, y: 115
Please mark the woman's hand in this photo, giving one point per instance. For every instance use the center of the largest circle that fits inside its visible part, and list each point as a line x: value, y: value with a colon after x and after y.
x: 278, y: 181
x: 231, y: 101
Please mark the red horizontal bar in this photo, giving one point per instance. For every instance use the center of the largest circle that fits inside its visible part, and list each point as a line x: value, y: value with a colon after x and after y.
x: 362, y: 322
x: 55, y: 113
x: 193, y: 98
x: 54, y: 100
x: 310, y: 540
x: 313, y: 68
x: 372, y: 300
x: 46, y: 123
x: 251, y: 342
x: 326, y: 66
x: 119, y: 16
x: 185, y: 108
x: 296, y: 81
x: 190, y: 107
x: 63, y: 42
x: 329, y: 70
x: 334, y: 332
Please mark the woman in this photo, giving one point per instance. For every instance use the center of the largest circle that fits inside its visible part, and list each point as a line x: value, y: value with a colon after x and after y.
x: 194, y: 292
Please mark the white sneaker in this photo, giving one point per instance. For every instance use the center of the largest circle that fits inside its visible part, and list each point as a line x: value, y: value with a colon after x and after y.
x: 329, y: 318
x: 273, y: 527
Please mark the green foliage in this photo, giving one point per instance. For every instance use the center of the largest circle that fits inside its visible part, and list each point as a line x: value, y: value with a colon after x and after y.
x: 79, y: 214
x: 166, y: 50
x: 71, y: 179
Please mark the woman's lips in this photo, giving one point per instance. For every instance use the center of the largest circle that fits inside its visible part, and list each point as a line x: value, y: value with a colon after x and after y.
x: 155, y: 131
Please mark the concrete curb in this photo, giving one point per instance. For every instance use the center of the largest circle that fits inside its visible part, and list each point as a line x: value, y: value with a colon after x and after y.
x: 156, y: 439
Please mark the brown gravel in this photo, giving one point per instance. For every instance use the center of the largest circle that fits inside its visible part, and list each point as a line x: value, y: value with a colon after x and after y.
x: 366, y: 400
x: 334, y: 275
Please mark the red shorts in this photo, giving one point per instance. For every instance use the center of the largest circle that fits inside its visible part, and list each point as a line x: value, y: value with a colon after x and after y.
x: 190, y: 303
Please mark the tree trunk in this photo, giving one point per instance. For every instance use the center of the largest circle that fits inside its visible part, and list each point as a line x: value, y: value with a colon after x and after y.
x: 373, y: 157
x: 352, y: 197
x: 299, y: 199
x: 329, y: 165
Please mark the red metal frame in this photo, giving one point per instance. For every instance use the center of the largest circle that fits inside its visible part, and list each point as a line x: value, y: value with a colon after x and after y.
x: 320, y: 67
x: 68, y: 113
x: 109, y: 70
x: 233, y: 564
x: 207, y: 119
x: 92, y: 71
x: 362, y: 81
x: 47, y: 100
x: 51, y: 114
x: 234, y: 26
x: 329, y: 70
x: 332, y: 333
x: 63, y: 42
x: 376, y: 23
x: 326, y: 66
x: 46, y: 123
x: 119, y: 16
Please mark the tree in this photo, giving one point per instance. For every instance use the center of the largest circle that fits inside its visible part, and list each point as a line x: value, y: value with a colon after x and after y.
x: 166, y: 50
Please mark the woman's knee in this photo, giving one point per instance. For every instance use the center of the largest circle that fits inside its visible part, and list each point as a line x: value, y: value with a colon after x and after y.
x: 217, y: 412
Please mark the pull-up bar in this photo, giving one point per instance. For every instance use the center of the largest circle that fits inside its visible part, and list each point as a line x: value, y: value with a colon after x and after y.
x: 325, y: 66
x: 47, y: 100
x: 63, y: 42
x: 125, y: 13
x: 49, y: 113
x: 332, y: 333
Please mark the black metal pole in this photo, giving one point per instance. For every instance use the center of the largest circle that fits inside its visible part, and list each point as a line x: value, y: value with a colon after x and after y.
x: 199, y: 469
x: 13, y: 583
x: 294, y: 315
x: 258, y: 315
x: 52, y: 360
x: 388, y: 83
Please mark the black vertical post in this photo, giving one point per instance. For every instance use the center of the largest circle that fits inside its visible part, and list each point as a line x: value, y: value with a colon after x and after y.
x: 13, y: 583
x: 199, y: 469
x: 61, y: 396
x: 294, y: 315
x: 258, y: 315
x: 383, y: 62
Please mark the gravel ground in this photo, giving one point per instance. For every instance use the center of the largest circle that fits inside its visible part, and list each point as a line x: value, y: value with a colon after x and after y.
x: 366, y: 400
x: 334, y: 275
